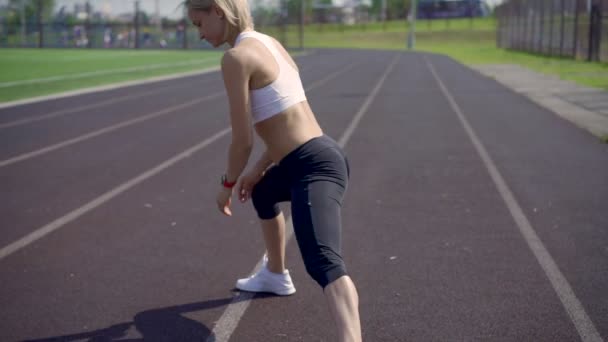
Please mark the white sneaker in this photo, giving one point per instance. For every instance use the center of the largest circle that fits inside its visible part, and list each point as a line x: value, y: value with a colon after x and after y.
x: 266, y: 281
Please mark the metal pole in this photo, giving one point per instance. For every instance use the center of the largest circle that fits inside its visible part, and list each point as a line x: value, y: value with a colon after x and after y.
x: 87, y: 24
x: 471, y: 6
x: 283, y: 22
x: 411, y: 37
x: 524, y: 36
x: 302, y: 11
x: 159, y: 25
x: 541, y: 24
x: 40, y: 27
x: 590, y: 35
x: 184, y: 25
x: 575, y: 38
x: 185, y: 35
x: 561, y: 33
x: 137, y: 24
x: 595, y: 30
x: 508, y: 12
x: 23, y: 24
x: 499, y: 28
x: 518, y: 26
x: 551, y: 18
x: 383, y: 15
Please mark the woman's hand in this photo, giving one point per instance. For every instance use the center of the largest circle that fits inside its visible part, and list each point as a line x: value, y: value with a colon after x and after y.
x: 247, y: 182
x: 224, y: 200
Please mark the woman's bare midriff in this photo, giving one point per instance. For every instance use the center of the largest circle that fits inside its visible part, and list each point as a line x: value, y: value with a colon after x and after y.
x: 286, y: 131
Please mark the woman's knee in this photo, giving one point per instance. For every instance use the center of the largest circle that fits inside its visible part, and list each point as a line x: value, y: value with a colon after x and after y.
x: 264, y: 204
x: 325, y: 267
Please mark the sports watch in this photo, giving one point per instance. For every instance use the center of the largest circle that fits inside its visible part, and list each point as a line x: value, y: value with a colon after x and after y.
x: 226, y: 184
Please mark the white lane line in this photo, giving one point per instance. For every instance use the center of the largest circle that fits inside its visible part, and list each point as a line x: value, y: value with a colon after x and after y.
x: 329, y: 77
x: 60, y: 222
x: 105, y: 130
x: 71, y: 216
x: 112, y: 86
x: 353, y: 125
x: 102, y: 72
x: 108, y: 129
x: 94, y: 105
x: 229, y: 320
x: 106, y: 87
x: 90, y: 106
x: 573, y: 306
x: 231, y: 316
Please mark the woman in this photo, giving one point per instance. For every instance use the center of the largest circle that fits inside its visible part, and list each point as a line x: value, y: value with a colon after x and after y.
x: 300, y: 164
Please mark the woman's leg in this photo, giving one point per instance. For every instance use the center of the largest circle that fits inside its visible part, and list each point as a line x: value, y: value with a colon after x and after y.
x: 317, y: 223
x: 274, y: 238
x: 273, y: 277
x: 343, y: 302
x: 270, y: 190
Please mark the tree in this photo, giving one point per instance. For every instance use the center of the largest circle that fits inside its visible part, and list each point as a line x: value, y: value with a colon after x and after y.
x: 31, y: 9
x: 294, y: 7
x: 394, y: 8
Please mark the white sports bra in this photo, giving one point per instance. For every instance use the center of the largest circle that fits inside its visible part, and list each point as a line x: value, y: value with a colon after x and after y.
x: 283, y: 92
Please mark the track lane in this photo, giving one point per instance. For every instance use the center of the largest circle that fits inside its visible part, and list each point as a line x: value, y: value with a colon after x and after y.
x: 440, y: 259
x: 431, y: 246
x: 557, y: 173
x: 78, y: 173
x: 166, y: 255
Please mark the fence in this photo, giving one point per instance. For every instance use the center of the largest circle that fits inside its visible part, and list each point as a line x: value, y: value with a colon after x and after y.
x: 106, y: 35
x: 42, y: 26
x: 86, y: 25
x: 566, y: 28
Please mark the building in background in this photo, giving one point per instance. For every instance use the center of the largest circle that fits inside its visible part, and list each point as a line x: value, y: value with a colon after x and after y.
x: 341, y: 11
x: 433, y: 9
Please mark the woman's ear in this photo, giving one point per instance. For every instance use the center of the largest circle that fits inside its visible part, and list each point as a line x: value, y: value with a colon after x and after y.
x: 218, y: 11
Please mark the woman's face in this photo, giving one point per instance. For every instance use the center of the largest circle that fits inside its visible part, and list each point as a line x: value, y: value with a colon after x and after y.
x: 210, y: 24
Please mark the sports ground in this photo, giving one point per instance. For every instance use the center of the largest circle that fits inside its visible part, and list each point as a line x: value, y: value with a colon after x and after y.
x: 472, y: 213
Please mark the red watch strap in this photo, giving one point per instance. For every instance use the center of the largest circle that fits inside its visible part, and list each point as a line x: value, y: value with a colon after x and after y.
x: 226, y: 183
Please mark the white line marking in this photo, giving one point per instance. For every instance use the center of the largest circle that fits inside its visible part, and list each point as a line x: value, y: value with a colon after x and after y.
x: 102, y: 72
x: 108, y: 129
x: 87, y: 107
x: 351, y: 128
x: 105, y: 130
x: 71, y: 216
x: 106, y: 87
x: 329, y: 77
x: 60, y: 222
x: 92, y: 106
x: 229, y: 320
x: 573, y: 306
x: 119, y: 85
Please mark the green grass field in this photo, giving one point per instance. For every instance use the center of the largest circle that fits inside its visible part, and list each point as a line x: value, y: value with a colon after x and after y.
x: 28, y: 73
x: 470, y: 42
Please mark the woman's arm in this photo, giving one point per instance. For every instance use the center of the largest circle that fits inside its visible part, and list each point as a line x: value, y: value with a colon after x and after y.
x: 236, y: 80
x: 251, y: 178
x: 262, y: 164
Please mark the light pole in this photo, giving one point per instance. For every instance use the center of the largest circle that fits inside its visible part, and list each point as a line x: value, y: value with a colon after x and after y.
x: 137, y: 24
x: 301, y: 31
x: 159, y: 26
x: 23, y: 24
x: 411, y: 35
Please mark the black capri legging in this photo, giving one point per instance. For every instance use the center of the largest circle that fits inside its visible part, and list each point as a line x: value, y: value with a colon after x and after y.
x: 314, y: 178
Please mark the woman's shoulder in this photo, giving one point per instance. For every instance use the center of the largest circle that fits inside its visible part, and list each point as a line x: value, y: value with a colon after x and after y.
x: 238, y: 55
x: 248, y: 52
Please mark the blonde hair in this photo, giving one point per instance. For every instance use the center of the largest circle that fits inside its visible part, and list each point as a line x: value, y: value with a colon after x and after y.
x: 236, y: 12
